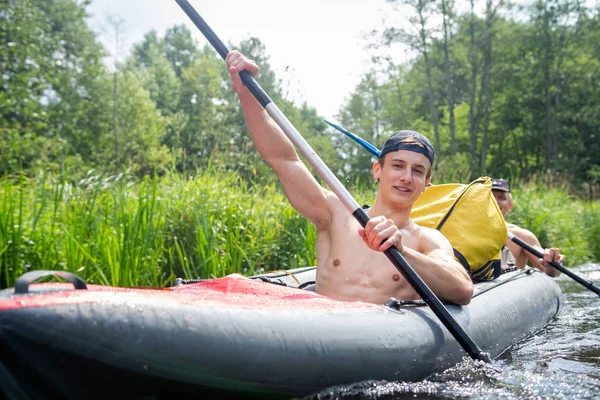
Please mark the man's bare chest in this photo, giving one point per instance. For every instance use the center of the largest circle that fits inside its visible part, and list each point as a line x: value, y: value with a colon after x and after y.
x: 347, y: 250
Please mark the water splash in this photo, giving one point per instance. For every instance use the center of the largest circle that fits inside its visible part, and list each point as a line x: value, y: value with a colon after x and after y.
x: 562, y: 361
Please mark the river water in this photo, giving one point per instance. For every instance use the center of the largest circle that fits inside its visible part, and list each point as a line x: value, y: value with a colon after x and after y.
x: 560, y: 362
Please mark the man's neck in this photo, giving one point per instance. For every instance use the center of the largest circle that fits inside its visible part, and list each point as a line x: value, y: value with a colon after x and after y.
x: 400, y: 215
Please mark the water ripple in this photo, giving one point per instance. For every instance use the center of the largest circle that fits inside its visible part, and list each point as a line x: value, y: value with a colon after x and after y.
x: 562, y: 361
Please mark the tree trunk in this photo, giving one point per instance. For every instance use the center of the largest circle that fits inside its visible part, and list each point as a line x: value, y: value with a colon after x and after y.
x: 548, y: 57
x: 117, y: 28
x: 486, y: 125
x: 449, y: 80
x: 114, y: 119
x: 473, y: 122
x: 559, y: 87
x: 522, y: 161
x: 432, y: 108
x: 486, y: 86
x: 425, y: 52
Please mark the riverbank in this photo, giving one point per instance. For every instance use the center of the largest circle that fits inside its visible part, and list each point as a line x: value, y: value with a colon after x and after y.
x: 120, y: 231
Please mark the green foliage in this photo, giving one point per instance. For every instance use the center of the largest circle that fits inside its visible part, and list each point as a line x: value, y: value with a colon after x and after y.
x: 118, y: 231
x: 157, y: 76
x: 557, y: 219
x: 543, y: 108
x: 169, y: 105
x: 50, y: 63
x: 175, y: 113
x: 453, y: 170
x: 590, y: 218
x: 200, y: 101
x: 180, y: 48
x: 140, y: 129
x: 56, y: 100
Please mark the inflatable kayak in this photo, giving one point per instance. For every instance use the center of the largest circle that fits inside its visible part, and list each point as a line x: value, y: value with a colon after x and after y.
x: 264, y: 335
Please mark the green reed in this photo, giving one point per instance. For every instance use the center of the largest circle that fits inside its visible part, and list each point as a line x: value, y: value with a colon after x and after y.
x: 591, y: 225
x: 222, y: 225
x: 120, y: 231
x: 558, y: 219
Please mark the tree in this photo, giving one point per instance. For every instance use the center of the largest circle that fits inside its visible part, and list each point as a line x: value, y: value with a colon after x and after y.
x: 50, y: 61
x: 473, y: 119
x: 200, y: 101
x: 419, y: 39
x: 117, y: 32
x: 141, y: 127
x: 363, y: 115
x: 447, y: 15
x: 149, y: 62
x: 525, y: 91
x: 180, y: 48
x: 486, y: 83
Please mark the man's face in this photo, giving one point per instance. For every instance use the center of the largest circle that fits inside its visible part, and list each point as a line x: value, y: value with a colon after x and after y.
x: 403, y: 176
x: 504, y: 201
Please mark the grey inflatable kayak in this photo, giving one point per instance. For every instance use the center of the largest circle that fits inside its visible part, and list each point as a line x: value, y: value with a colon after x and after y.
x: 267, y: 335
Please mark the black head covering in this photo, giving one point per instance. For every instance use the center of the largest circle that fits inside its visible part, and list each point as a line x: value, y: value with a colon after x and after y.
x: 401, y: 140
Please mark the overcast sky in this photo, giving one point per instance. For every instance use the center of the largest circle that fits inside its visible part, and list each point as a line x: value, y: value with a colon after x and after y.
x: 316, y: 47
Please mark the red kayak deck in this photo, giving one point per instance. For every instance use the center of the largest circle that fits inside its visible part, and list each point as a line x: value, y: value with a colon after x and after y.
x: 232, y: 291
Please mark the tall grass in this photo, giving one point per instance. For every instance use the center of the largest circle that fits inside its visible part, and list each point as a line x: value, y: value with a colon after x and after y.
x: 121, y: 231
x: 558, y: 219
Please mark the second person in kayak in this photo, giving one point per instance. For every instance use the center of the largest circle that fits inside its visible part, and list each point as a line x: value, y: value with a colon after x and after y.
x: 351, y: 264
x: 512, y: 253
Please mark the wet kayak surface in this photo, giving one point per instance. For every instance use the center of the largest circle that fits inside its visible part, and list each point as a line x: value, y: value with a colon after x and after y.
x: 561, y: 361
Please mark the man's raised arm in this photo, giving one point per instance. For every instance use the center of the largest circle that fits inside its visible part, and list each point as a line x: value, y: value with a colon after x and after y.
x: 303, y: 191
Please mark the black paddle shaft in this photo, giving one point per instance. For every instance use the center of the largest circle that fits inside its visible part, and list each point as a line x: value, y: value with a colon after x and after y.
x: 218, y: 44
x: 429, y: 297
x: 393, y: 254
x: 587, y: 284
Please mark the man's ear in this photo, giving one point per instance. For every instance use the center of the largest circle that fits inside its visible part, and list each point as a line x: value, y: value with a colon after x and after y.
x: 376, y: 171
x: 427, y: 182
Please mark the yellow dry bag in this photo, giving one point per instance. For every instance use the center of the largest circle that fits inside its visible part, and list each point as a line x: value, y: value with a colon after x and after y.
x: 469, y: 217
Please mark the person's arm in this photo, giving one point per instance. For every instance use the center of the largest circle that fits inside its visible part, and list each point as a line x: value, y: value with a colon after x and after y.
x: 543, y: 264
x: 434, y: 262
x: 437, y: 267
x: 302, y: 190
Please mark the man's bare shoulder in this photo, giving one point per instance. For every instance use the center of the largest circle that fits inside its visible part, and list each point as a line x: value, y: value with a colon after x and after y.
x: 434, y: 244
x: 432, y: 239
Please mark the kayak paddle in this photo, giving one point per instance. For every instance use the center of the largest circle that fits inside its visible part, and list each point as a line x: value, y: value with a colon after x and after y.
x: 588, y: 284
x: 338, y: 188
x: 368, y: 146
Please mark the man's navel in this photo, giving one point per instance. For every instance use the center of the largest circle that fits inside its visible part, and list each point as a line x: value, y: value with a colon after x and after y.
x: 336, y: 262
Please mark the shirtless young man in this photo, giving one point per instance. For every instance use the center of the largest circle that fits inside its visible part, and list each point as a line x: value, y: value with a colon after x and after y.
x: 516, y: 254
x: 351, y: 264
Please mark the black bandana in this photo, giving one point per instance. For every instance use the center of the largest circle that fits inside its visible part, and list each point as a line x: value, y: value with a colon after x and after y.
x: 398, y: 141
